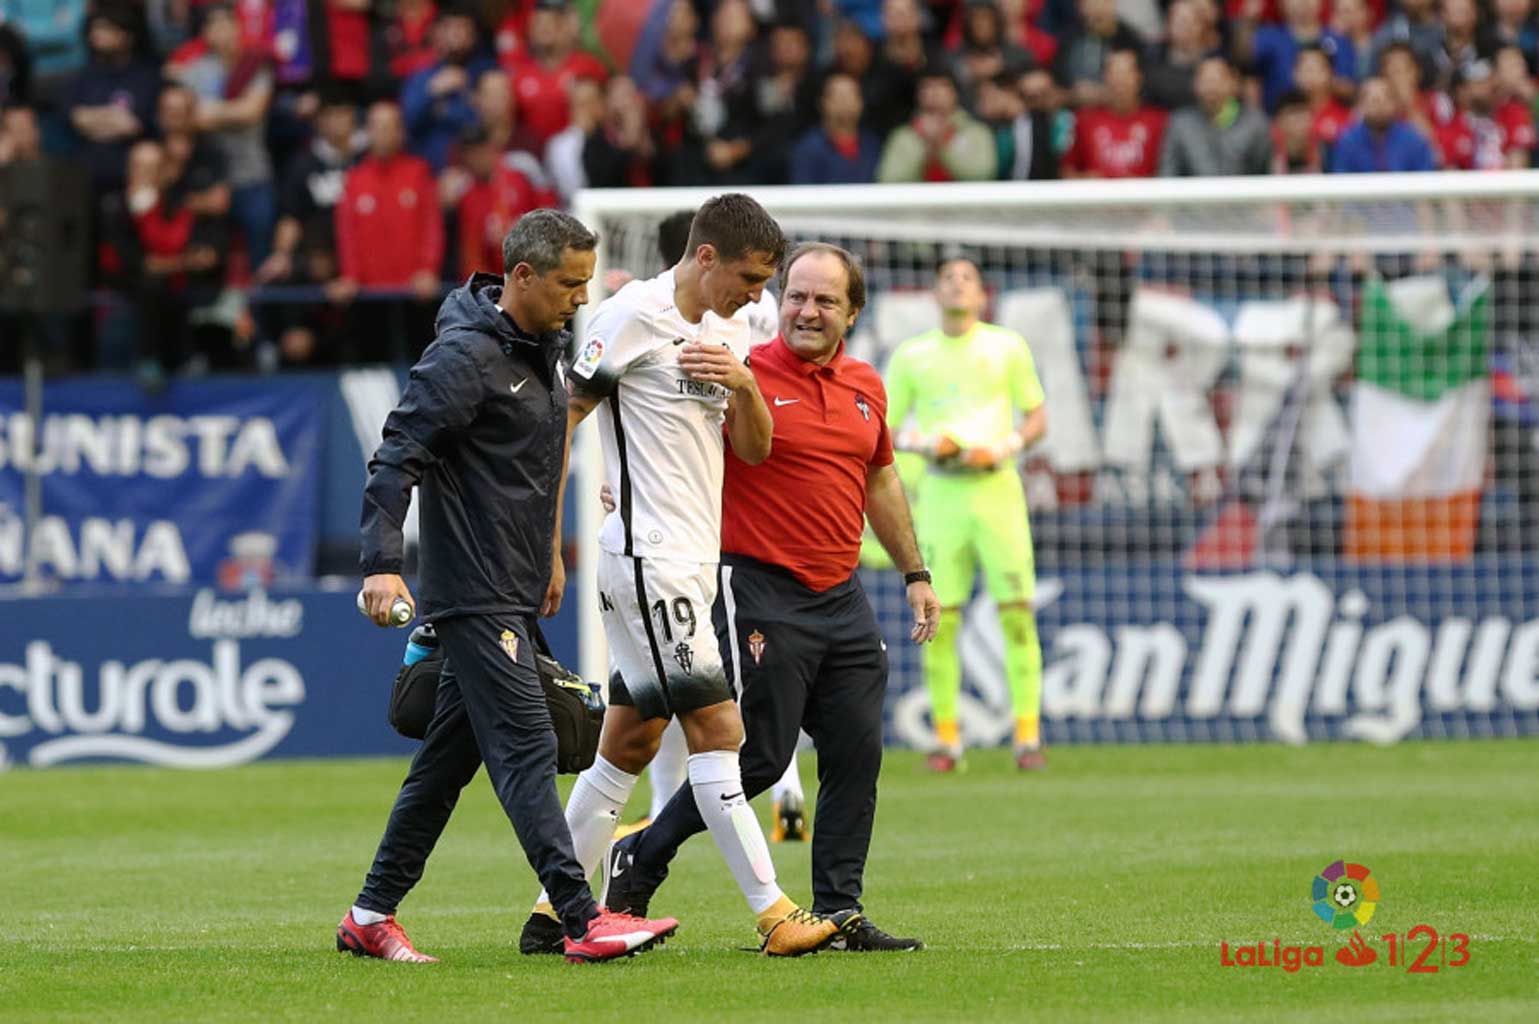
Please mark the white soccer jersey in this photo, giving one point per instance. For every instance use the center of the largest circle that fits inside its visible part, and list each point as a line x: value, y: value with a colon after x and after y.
x: 661, y: 431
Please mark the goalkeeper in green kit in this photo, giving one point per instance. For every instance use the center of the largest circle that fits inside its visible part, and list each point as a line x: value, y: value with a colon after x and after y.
x: 972, y: 394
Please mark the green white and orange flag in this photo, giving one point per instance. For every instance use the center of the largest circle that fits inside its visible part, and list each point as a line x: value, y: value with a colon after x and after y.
x: 1420, y: 414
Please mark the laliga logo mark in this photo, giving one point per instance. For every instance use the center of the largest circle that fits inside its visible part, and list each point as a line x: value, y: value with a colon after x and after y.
x: 1345, y: 896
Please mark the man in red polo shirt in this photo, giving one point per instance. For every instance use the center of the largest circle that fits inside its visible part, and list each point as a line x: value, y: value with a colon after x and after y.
x: 804, y: 649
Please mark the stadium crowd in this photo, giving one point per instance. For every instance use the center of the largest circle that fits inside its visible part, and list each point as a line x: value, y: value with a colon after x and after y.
x: 275, y: 182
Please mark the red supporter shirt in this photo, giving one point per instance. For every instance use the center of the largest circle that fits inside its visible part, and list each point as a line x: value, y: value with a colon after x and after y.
x: 1517, y: 124
x: 804, y: 507
x: 388, y: 223
x: 410, y: 43
x: 1468, y: 142
x: 1117, y: 145
x: 488, y: 209
x: 348, y: 37
x: 1271, y: 11
x: 513, y: 30
x: 541, y: 92
x: 1329, y: 122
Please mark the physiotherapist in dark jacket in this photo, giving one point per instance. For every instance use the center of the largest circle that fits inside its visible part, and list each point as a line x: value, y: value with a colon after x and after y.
x: 481, y: 432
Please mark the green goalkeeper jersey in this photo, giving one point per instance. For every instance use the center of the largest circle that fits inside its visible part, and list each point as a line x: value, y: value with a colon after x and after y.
x: 968, y: 388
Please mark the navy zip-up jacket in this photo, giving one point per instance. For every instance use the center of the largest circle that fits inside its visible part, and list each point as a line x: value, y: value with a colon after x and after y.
x: 480, y: 430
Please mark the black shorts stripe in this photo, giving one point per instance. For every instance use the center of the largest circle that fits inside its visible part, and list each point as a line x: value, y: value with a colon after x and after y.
x: 646, y: 617
x: 625, y: 486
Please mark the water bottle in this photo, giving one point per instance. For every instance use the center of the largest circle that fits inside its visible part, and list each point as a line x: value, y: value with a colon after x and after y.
x: 401, y: 611
x: 422, y: 642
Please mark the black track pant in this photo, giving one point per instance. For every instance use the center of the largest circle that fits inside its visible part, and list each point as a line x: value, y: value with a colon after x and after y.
x: 491, y: 709
x: 800, y: 659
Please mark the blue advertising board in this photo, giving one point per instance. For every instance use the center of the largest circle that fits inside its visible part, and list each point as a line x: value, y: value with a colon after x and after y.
x: 199, y: 679
x: 1155, y: 652
x: 1143, y: 653
x: 210, y: 481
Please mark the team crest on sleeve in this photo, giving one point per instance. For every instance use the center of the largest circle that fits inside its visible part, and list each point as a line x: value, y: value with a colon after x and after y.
x: 865, y: 410
x: 509, y: 642
x: 756, y: 646
x: 588, y: 359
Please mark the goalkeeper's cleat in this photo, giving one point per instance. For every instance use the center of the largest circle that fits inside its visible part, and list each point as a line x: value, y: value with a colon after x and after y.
x: 627, y: 888
x: 621, y: 831
x: 542, y: 934
x: 611, y: 935
x: 866, y: 937
x: 383, y: 941
x: 801, y: 931
x: 790, y: 820
x: 1030, y: 759
x: 945, y: 760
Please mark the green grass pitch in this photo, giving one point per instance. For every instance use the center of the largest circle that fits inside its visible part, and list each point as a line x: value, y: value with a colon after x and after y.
x: 1099, y: 890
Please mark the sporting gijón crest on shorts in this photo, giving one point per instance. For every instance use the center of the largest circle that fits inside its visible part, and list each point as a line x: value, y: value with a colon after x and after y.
x: 661, y: 431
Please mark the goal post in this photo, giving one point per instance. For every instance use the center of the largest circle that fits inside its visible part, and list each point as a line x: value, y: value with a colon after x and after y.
x: 1290, y: 486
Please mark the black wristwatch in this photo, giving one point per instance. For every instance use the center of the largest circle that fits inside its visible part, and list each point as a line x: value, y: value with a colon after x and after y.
x: 917, y: 576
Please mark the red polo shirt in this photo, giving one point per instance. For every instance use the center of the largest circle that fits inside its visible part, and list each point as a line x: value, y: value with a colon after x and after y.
x: 804, y: 507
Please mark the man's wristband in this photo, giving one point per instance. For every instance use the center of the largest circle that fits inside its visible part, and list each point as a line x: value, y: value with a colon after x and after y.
x: 917, y: 576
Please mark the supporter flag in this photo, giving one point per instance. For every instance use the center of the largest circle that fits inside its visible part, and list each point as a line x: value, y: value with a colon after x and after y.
x: 1420, y: 411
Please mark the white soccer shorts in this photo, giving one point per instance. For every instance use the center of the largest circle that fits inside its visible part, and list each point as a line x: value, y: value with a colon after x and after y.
x: 663, y: 656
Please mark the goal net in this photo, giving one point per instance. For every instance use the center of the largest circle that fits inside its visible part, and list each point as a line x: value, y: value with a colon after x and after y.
x: 1290, y: 485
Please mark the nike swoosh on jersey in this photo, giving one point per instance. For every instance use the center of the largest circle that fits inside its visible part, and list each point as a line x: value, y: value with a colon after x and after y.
x: 731, y: 796
x: 515, y: 387
x: 786, y: 401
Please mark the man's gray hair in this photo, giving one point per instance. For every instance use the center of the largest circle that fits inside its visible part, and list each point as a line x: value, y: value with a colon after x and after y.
x: 541, y: 238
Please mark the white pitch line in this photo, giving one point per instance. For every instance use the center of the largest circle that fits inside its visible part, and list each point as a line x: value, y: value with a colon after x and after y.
x: 1058, y: 947
x: 1029, y: 947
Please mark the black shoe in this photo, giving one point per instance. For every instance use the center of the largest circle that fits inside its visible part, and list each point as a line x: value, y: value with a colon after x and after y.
x: 790, y: 820
x: 627, y: 889
x: 866, y: 937
x: 542, y: 934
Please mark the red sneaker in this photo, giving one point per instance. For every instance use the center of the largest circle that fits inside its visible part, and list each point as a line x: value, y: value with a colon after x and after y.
x: 612, y: 935
x: 383, y: 941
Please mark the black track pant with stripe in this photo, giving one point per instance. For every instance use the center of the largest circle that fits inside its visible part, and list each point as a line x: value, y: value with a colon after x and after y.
x: 800, y: 659
x: 491, y: 709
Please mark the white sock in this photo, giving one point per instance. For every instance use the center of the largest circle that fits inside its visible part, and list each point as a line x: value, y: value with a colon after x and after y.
x: 666, y: 773
x: 717, y: 781
x: 367, y: 917
x: 790, y: 782
x: 592, y: 810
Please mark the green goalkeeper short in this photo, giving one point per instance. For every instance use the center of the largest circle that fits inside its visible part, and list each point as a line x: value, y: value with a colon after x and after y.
x: 970, y: 520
